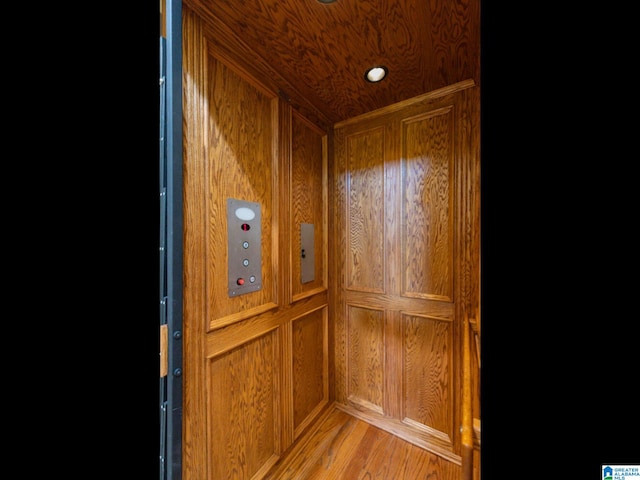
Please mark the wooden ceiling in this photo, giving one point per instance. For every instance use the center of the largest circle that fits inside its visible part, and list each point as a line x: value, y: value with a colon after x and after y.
x: 315, y: 55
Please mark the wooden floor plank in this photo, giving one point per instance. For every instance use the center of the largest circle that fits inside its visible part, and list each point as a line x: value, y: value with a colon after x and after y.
x: 345, y: 447
x: 386, y: 462
x: 339, y: 452
x: 300, y: 461
x: 374, y: 443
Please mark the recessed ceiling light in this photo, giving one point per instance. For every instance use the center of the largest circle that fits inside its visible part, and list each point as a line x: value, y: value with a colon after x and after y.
x: 375, y: 74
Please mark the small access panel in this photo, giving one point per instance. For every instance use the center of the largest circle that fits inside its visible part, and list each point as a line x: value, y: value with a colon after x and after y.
x: 244, y: 247
x: 308, y: 260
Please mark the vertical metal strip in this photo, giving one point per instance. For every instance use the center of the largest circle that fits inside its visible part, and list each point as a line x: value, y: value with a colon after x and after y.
x: 163, y: 265
x: 163, y: 169
x: 174, y: 246
x: 163, y: 437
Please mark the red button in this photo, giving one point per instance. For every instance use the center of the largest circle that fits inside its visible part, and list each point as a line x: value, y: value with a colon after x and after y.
x: 240, y: 281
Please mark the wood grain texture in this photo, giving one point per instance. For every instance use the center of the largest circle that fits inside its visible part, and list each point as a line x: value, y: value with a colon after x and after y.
x: 195, y: 139
x: 308, y: 201
x: 243, y: 417
x: 424, y: 175
x: 239, y: 408
x: 467, y: 406
x: 427, y: 205
x: 366, y: 348
x: 342, y: 446
x: 316, y: 55
x: 164, y: 350
x: 283, y: 185
x: 229, y: 337
x: 239, y: 141
x: 309, y: 360
x: 337, y: 279
x: 240, y: 165
x: 287, y: 425
x: 428, y: 374
x: 365, y: 211
x: 468, y: 287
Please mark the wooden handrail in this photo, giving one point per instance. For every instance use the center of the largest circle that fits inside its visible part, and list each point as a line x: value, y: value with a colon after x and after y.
x: 475, y: 328
x: 467, y: 404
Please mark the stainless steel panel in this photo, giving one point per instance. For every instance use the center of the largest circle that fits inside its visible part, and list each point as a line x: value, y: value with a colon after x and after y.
x: 244, y: 247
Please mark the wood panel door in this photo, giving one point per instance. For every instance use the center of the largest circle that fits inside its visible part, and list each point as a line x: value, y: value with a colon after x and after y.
x: 406, y: 238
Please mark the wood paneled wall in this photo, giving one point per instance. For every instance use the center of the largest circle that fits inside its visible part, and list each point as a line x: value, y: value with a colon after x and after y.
x: 394, y: 199
x: 256, y: 365
x: 309, y: 191
x: 405, y: 200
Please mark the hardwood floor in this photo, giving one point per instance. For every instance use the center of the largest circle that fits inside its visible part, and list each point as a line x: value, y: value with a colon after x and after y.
x: 344, y: 447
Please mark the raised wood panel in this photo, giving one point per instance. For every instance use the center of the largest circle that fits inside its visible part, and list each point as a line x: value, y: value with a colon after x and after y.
x: 365, y: 211
x: 310, y: 367
x: 256, y: 365
x: 428, y: 374
x: 244, y: 356
x: 337, y: 273
x: 397, y: 303
x: 243, y: 141
x: 365, y: 338
x: 427, y: 205
x: 308, y: 201
x: 231, y: 336
x: 241, y: 164
x: 421, y: 159
x: 244, y: 434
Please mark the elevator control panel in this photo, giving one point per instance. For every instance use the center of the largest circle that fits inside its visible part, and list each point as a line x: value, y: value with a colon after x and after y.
x: 244, y: 247
x: 307, y: 255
